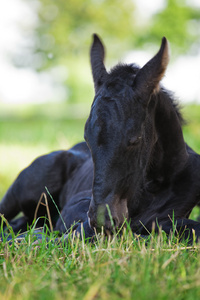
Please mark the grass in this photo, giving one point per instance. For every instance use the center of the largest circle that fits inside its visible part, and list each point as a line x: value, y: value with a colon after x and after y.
x: 29, y: 131
x: 192, y: 128
x: 120, y: 268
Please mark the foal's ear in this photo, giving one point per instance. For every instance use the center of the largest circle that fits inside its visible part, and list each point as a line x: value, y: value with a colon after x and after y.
x: 148, y: 78
x: 97, y: 54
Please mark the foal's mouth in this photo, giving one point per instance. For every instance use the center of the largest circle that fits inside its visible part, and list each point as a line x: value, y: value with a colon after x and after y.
x: 106, y: 220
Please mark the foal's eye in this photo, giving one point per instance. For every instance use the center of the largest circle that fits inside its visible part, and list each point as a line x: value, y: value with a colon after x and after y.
x: 134, y: 141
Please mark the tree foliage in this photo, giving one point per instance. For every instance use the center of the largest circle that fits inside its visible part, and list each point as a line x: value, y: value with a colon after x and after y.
x: 178, y: 21
x: 64, y: 28
x: 62, y: 35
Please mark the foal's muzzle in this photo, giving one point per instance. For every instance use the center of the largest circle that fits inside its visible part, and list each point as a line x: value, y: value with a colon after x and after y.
x: 107, y: 217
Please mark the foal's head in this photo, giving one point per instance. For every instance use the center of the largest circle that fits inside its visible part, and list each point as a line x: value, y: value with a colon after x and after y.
x: 120, y: 132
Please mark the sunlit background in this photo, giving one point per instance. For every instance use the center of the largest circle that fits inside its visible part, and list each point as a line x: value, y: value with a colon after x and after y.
x: 46, y: 86
x: 44, y: 44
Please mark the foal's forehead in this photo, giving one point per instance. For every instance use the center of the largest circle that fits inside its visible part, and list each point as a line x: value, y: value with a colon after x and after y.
x: 117, y: 87
x: 123, y: 72
x: 119, y: 79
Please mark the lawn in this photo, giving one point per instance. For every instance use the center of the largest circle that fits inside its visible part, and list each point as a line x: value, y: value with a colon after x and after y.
x: 120, y: 268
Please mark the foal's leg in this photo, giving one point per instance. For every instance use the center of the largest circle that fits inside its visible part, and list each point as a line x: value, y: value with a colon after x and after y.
x: 51, y: 171
x: 74, y: 215
x: 19, y: 224
x: 185, y: 228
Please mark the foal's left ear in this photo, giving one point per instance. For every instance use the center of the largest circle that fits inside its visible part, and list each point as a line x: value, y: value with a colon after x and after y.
x: 148, y: 78
x: 97, y: 53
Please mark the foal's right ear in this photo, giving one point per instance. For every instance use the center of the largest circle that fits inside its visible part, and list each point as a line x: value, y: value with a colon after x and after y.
x: 97, y: 54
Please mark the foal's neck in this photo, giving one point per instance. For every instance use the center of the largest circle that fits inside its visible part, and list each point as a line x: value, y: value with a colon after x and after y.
x: 169, y: 154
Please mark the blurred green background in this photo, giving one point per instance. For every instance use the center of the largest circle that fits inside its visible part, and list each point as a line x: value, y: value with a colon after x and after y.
x: 59, y: 39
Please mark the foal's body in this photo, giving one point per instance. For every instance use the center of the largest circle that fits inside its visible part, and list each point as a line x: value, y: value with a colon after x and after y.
x: 68, y: 177
x: 153, y: 178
